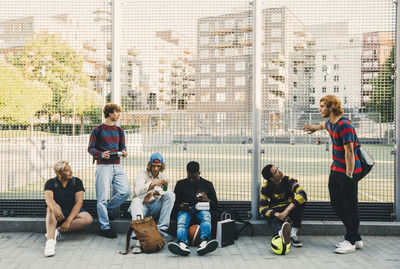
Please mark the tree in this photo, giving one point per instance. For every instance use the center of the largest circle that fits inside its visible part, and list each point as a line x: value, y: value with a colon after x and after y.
x: 20, y: 98
x: 382, y: 98
x: 48, y: 59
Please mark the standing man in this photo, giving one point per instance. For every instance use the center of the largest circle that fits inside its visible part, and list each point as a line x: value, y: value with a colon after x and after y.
x: 64, y: 212
x: 106, y: 140
x: 345, y: 170
x: 189, y: 192
x: 152, y: 196
x: 282, y: 200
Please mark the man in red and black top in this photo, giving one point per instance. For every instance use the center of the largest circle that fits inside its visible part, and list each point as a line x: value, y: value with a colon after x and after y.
x: 345, y: 170
x: 106, y: 140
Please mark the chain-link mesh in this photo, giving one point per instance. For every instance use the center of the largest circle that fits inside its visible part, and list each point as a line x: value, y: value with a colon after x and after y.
x: 186, y: 86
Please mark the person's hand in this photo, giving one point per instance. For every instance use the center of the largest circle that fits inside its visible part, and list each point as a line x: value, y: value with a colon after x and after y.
x: 64, y: 227
x: 106, y: 155
x: 58, y: 213
x: 283, y: 216
x: 158, y: 182
x: 148, y: 198
x: 309, y: 128
x: 203, y: 197
x: 124, y: 153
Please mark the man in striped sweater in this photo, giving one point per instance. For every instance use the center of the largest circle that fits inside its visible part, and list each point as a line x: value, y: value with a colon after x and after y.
x: 282, y: 201
x: 345, y: 170
x: 105, y: 142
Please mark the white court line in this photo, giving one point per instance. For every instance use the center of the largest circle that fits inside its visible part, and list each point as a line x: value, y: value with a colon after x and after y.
x: 371, y: 196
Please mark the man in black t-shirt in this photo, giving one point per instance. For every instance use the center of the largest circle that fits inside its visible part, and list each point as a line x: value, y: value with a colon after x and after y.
x: 195, y: 197
x: 64, y: 198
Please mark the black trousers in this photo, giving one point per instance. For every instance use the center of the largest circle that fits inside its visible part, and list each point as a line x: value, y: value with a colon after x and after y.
x: 296, y: 215
x: 343, y: 193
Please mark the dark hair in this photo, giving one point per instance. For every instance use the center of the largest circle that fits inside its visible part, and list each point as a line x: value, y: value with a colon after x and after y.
x: 193, y: 167
x: 266, y: 172
x: 110, y: 108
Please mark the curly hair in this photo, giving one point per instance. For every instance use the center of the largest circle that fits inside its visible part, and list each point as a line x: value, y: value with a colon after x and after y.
x: 333, y: 103
x: 148, y: 167
x: 110, y: 108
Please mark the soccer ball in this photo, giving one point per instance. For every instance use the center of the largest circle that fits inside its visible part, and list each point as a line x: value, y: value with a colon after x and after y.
x: 278, y: 247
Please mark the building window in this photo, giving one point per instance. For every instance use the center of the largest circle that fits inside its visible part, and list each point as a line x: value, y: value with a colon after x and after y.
x: 205, y: 97
x: 323, y: 89
x: 295, y: 70
x: 275, y: 47
x: 295, y: 98
x: 345, y: 99
x: 276, y: 17
x: 204, y: 54
x: 220, y: 97
x: 335, y: 78
x: 204, y: 27
x: 230, y: 24
x: 240, y: 96
x: 248, y: 50
x: 240, y: 81
x: 205, y: 83
x: 311, y: 100
x: 276, y: 32
x: 335, y: 88
x: 204, y: 40
x: 221, y: 82
x: 219, y: 53
x: 221, y: 68
x: 294, y: 84
x: 248, y: 21
x: 335, y: 67
x: 323, y: 57
x: 240, y: 66
x: 205, y: 68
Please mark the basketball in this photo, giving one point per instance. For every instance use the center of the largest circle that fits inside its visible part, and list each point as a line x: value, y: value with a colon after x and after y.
x: 194, y: 235
x: 278, y: 247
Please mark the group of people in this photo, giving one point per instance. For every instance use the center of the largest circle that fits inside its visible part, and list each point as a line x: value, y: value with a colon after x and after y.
x: 282, y: 198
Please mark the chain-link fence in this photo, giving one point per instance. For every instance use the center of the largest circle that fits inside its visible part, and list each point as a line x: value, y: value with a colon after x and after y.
x: 186, y: 87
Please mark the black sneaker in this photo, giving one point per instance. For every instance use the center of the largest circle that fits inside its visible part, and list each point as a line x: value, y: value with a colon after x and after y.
x: 178, y: 248
x: 107, y: 233
x: 296, y: 242
x: 207, y: 246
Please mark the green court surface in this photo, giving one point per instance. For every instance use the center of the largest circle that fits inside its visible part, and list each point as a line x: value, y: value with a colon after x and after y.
x: 229, y: 167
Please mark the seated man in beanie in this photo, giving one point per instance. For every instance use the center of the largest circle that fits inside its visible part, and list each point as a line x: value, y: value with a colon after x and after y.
x: 189, y: 192
x: 152, y: 195
x: 64, y: 198
x: 282, y: 201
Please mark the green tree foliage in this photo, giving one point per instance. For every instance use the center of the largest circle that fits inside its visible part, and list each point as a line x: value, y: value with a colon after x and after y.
x: 48, y: 59
x: 382, y: 98
x: 20, y: 98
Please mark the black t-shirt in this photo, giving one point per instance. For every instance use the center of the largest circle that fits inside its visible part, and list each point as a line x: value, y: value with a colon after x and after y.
x: 65, y: 197
x: 186, y: 192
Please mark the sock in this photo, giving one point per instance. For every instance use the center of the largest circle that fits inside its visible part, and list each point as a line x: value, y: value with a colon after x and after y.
x: 293, y: 232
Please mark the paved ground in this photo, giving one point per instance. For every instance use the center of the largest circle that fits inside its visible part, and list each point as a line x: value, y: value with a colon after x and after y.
x: 25, y: 250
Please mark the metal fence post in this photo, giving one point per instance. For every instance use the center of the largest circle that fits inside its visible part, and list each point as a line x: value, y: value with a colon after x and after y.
x: 257, y: 101
x: 397, y: 115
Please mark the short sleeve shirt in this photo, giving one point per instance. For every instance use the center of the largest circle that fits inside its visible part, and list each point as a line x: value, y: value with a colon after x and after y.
x: 65, y: 197
x: 341, y: 133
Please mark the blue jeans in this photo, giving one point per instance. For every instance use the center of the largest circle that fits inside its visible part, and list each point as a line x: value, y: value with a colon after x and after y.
x: 184, y: 219
x: 160, y: 208
x: 107, y: 175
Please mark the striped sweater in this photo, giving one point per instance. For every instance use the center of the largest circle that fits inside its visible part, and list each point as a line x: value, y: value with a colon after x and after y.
x: 108, y: 140
x: 288, y: 192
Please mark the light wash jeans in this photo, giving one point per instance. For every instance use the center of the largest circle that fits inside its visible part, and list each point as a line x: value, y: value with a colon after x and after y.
x: 107, y: 175
x: 184, y: 219
x: 160, y: 208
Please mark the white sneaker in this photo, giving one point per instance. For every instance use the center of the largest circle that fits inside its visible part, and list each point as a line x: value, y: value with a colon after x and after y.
x: 57, y: 235
x: 50, y: 248
x: 359, y: 244
x: 345, y: 247
x: 284, y: 232
x: 137, y: 248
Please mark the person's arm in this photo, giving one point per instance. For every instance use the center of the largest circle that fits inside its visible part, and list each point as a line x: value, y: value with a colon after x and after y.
x: 265, y: 207
x: 122, y: 145
x: 141, y: 187
x: 92, y: 147
x: 180, y: 205
x: 349, y: 158
x: 309, y: 128
x: 74, y: 212
x: 212, y: 197
x: 52, y: 205
x: 300, y: 197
